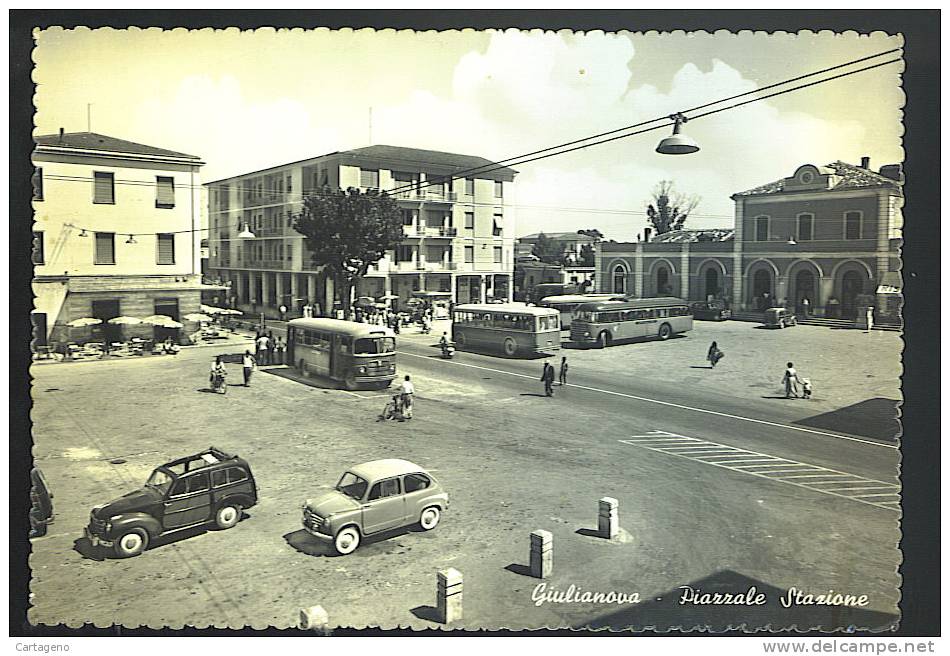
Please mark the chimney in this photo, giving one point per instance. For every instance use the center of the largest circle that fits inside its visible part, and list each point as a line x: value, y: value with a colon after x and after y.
x: 892, y: 171
x: 865, y: 162
x: 61, y: 131
x: 646, y: 234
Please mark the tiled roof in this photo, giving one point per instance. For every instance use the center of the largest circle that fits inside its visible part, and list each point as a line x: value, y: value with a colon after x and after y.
x: 452, y: 161
x: 682, y: 236
x: 566, y: 236
x: 849, y: 176
x: 93, y: 141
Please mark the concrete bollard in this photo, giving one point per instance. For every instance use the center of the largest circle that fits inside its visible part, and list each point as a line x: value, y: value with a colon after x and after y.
x: 314, y: 618
x: 542, y: 554
x: 449, y: 595
x: 608, y: 522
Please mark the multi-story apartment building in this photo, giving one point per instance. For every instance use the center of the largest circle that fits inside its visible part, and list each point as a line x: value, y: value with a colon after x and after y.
x: 830, y: 234
x: 116, y: 233
x: 458, y: 229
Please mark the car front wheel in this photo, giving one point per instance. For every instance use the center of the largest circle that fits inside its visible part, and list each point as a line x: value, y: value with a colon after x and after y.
x: 430, y: 518
x: 131, y: 543
x: 347, y: 540
x: 227, y: 516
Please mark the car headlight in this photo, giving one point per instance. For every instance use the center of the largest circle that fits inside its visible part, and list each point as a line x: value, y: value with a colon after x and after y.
x: 362, y: 370
x: 586, y: 333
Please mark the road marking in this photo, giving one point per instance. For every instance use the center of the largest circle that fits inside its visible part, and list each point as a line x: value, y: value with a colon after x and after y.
x: 672, y: 405
x: 781, y: 470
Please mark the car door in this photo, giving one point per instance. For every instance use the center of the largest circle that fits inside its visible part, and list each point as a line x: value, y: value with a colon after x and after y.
x: 417, y: 489
x: 385, y: 506
x: 189, y: 501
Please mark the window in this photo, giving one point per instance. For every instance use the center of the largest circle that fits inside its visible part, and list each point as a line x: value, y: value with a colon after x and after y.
x: 166, y: 248
x: 620, y: 280
x: 806, y: 227
x: 289, y: 250
x: 761, y: 228
x: 352, y: 485
x: 383, y: 489
x: 498, y: 189
x: 497, y: 254
x: 470, y: 220
x: 191, y: 484
x: 227, y: 476
x: 289, y: 184
x: 407, y: 217
x: 497, y: 222
x: 852, y: 225
x: 38, y: 184
x: 369, y: 178
x: 404, y: 253
x: 415, y: 482
x: 103, y: 190
x: 469, y: 254
x: 38, y: 254
x: 165, y: 187
x: 469, y: 187
x: 105, y: 248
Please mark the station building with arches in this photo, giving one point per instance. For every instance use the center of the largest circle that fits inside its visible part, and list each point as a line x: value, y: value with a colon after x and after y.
x: 829, y: 234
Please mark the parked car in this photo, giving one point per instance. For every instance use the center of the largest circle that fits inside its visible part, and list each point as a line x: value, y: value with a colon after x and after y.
x: 779, y: 318
x: 210, y: 486
x: 41, y: 504
x: 711, y: 310
x: 376, y: 496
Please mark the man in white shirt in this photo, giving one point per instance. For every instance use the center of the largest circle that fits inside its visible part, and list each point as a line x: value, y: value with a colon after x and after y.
x: 408, y: 390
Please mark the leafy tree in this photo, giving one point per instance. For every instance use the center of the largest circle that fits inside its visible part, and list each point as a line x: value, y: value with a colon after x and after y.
x: 347, y: 231
x: 669, y: 209
x: 548, y: 250
x: 595, y: 233
x: 587, y: 255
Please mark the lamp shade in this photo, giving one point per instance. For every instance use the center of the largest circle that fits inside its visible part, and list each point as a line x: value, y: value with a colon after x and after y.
x: 677, y: 143
x: 246, y: 232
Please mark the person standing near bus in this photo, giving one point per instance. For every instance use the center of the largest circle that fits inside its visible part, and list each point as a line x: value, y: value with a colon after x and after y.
x: 547, y: 377
x: 562, y: 374
x: 260, y: 344
x: 248, y: 363
x: 407, y: 390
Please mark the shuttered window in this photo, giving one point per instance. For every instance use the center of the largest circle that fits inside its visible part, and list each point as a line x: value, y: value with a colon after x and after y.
x: 470, y: 220
x: 469, y: 254
x: 166, y: 248
x: 498, y: 221
x: 497, y: 254
x: 498, y: 189
x: 103, y: 188
x: 469, y: 187
x: 105, y: 247
x: 369, y: 178
x: 38, y: 254
x: 38, y: 184
x: 165, y: 192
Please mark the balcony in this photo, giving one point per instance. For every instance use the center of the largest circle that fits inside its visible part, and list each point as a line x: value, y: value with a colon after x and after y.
x: 271, y: 264
x: 418, y: 232
x: 425, y: 195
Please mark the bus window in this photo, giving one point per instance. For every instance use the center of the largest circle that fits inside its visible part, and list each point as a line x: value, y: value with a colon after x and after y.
x: 374, y: 345
x: 547, y: 323
x: 345, y: 344
x: 321, y: 341
x: 662, y: 313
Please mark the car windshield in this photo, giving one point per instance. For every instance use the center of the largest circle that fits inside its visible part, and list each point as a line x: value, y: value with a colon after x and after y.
x: 352, y: 485
x: 583, y: 315
x: 159, y: 480
x: 375, y: 345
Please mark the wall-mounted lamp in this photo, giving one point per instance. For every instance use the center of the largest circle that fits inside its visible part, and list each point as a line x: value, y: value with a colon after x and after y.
x: 131, y: 240
x: 791, y: 241
x: 82, y: 233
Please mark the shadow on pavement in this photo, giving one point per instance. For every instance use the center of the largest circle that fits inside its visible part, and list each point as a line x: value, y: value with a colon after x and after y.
x: 522, y: 570
x: 665, y: 612
x: 427, y: 613
x: 84, y: 548
x: 373, y: 545
x: 543, y: 396
x: 588, y: 532
x: 700, y: 366
x: 875, y: 418
x: 292, y: 374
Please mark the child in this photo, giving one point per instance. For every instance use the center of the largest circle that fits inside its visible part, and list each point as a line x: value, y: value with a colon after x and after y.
x: 806, y: 388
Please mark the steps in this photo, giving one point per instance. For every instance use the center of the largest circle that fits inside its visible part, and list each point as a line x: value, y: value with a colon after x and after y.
x: 840, y: 324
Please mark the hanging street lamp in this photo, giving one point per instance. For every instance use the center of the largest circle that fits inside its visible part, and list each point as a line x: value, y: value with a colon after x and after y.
x: 677, y: 143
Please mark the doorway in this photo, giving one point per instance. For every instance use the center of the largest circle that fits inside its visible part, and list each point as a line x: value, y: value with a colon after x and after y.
x: 169, y: 308
x: 712, y: 283
x: 852, y: 285
x: 104, y: 310
x: 761, y: 289
x: 805, y: 287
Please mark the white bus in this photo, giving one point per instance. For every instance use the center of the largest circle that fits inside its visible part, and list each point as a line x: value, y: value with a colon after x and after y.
x: 356, y: 354
x: 607, y: 322
x: 567, y: 303
x: 512, y: 328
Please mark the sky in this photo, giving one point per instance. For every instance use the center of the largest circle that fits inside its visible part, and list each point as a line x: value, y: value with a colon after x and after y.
x: 243, y: 101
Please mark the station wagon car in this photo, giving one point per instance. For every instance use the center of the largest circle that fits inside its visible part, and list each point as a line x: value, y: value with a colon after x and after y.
x: 376, y: 496
x: 210, y: 486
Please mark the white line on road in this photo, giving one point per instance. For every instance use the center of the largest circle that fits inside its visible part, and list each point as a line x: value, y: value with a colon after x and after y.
x: 673, y: 405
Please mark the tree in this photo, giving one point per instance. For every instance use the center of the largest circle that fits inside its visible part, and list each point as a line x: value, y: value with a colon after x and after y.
x: 548, y: 250
x: 669, y: 209
x: 347, y: 231
x: 587, y: 255
x: 595, y: 233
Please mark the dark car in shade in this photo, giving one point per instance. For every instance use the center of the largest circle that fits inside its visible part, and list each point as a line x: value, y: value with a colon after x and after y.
x: 710, y: 310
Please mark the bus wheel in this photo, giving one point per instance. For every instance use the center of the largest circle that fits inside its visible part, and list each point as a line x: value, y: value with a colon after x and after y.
x: 460, y: 341
x: 511, y: 348
x: 302, y: 368
x: 665, y: 331
x: 604, y: 340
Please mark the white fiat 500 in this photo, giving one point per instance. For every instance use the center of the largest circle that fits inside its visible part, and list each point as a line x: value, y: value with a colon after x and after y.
x: 376, y: 496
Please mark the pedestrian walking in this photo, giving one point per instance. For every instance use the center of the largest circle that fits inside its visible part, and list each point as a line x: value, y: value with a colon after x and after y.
x: 260, y: 354
x: 308, y: 311
x: 562, y: 374
x: 279, y: 348
x: 270, y: 347
x: 806, y: 306
x: 407, y: 391
x: 870, y: 318
x: 248, y: 363
x: 714, y: 355
x: 791, y: 381
x: 283, y: 312
x: 547, y: 377
x: 396, y: 324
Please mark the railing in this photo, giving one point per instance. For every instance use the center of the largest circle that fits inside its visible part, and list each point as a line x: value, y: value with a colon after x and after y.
x: 426, y: 195
x: 271, y: 264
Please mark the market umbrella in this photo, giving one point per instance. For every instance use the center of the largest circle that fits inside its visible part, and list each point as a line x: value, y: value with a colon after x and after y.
x: 125, y: 321
x: 84, y: 322
x: 197, y: 316
x: 388, y: 297
x: 210, y: 309
x: 171, y: 323
x: 158, y: 320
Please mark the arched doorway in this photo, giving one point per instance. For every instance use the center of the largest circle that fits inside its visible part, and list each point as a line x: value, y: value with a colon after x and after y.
x: 852, y: 285
x: 805, y: 287
x: 620, y: 279
x: 663, y: 287
x: 712, y: 286
x: 762, y: 289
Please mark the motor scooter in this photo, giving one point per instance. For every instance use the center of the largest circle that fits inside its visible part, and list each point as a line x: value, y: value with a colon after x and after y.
x: 218, y: 384
x: 448, y: 351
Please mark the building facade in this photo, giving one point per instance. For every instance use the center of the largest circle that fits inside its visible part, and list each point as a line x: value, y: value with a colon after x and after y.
x: 572, y: 244
x: 458, y: 233
x: 116, y: 233
x: 828, y: 234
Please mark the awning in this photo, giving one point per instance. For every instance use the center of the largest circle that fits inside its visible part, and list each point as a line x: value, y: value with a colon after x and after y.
x: 891, y: 283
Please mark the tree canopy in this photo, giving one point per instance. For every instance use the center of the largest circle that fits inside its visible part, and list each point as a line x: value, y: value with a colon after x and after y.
x: 587, y: 255
x: 348, y: 231
x: 669, y: 209
x: 595, y: 233
x: 548, y: 250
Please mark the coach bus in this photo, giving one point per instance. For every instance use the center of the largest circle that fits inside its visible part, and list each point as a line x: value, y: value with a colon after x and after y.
x: 567, y: 303
x: 607, y: 322
x: 511, y: 328
x: 356, y: 354
x: 543, y: 289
